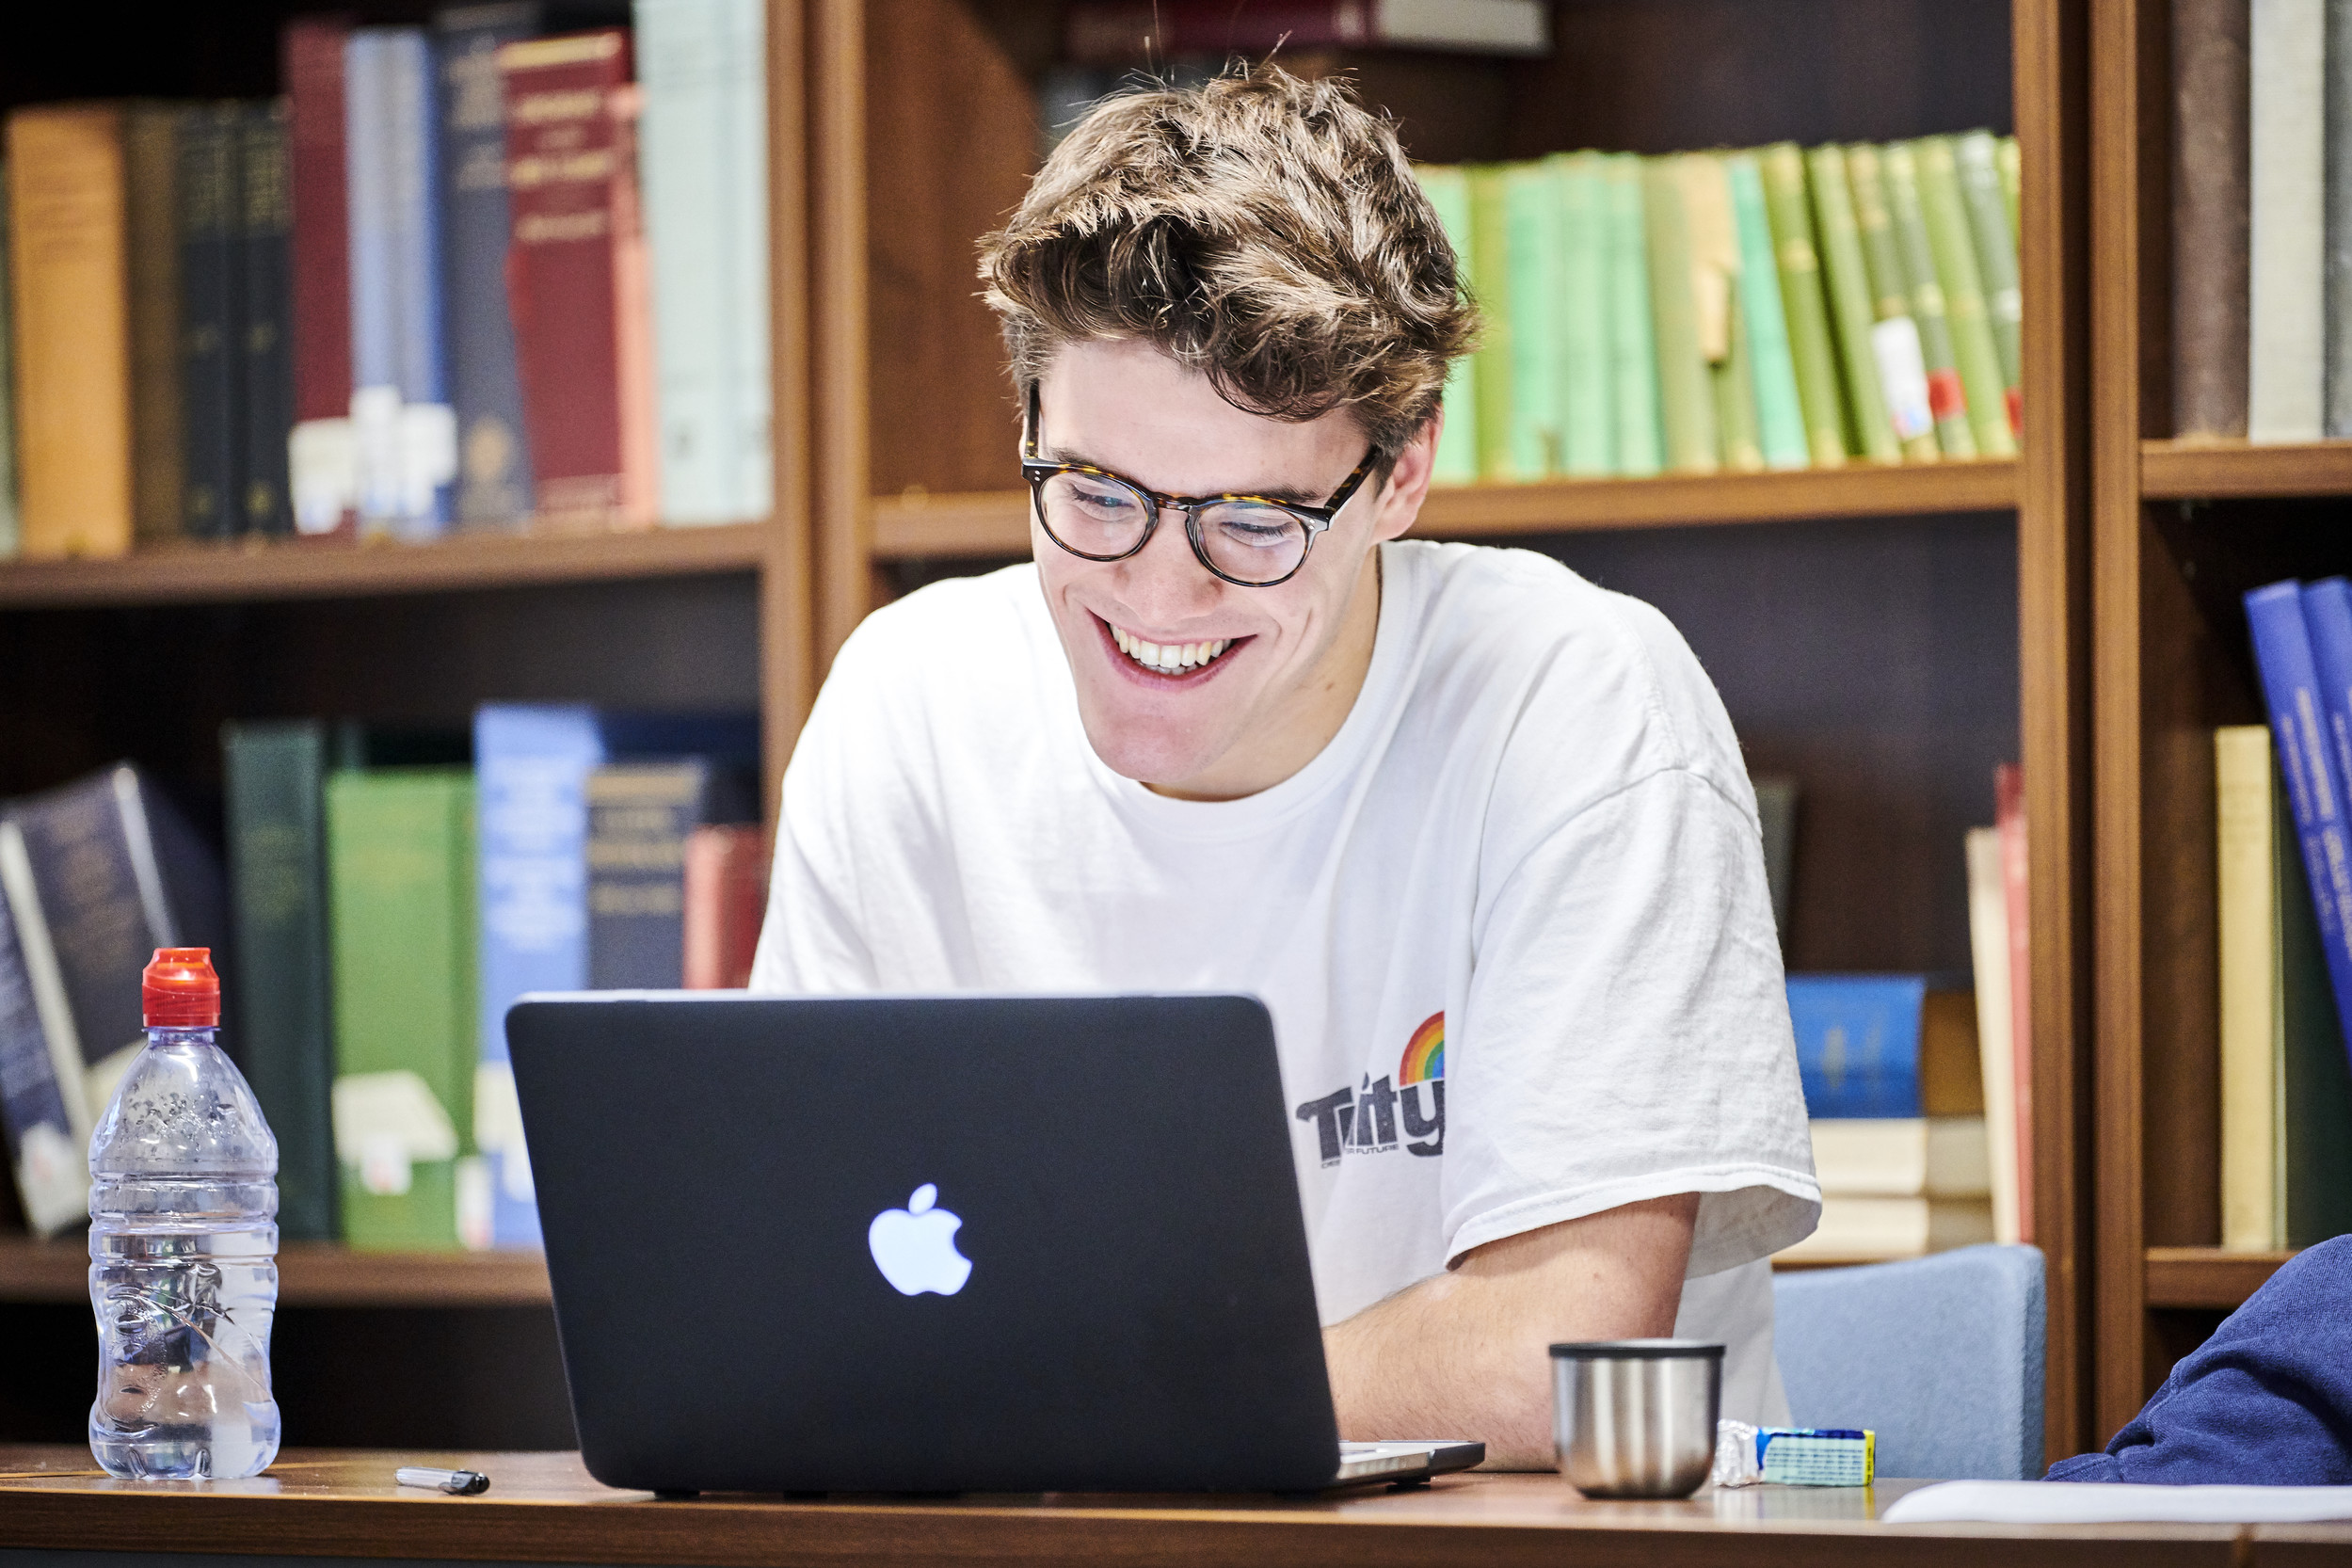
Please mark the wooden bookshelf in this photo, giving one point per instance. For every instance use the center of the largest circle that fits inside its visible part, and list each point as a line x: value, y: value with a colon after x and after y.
x: 2207, y: 1276
x: 310, y: 1274
x: 2217, y: 470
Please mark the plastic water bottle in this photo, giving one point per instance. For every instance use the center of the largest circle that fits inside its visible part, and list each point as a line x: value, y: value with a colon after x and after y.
x: 183, y: 1248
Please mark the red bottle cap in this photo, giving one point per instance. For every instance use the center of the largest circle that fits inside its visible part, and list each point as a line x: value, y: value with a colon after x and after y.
x: 180, y: 989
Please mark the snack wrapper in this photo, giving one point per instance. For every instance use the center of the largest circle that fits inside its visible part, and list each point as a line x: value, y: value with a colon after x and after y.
x: 1794, y: 1456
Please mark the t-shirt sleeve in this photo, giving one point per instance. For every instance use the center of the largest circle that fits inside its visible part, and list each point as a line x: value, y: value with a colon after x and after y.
x: 1625, y: 1032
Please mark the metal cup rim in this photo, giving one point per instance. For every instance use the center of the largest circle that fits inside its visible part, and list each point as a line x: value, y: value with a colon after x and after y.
x: 1638, y: 1349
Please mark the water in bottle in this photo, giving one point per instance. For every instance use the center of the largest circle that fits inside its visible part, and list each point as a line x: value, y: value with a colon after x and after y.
x: 183, y: 1248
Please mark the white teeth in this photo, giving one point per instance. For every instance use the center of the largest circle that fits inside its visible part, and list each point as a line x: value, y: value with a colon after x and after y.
x: 1168, y: 658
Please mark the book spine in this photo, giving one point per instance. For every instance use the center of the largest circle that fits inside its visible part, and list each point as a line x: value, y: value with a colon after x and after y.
x: 2007, y: 160
x: 1988, y: 950
x: 1847, y: 285
x: 268, y: 372
x: 2337, y: 220
x: 531, y: 764
x: 633, y: 321
x: 1894, y: 335
x: 1722, y: 332
x: 373, y: 308
x: 2243, y: 812
x: 1633, y: 347
x: 401, y: 922
x: 727, y: 895
x: 1965, y: 299
x: 1531, y: 196
x: 1975, y: 157
x: 1858, y: 1043
x: 2209, y: 218
x: 640, y: 816
x: 1447, y: 188
x: 1947, y: 398
x: 2286, y: 229
x: 562, y: 285
x: 275, y: 779
x: 66, y: 227
x: 1587, y: 412
x: 211, y: 300
x: 1685, y: 399
x: 12, y: 537
x: 424, y: 450
x: 1490, y: 250
x: 2008, y: 794
x: 151, y: 239
x: 1811, y: 351
x: 494, y: 473
x: 319, y: 457
x: 46, y: 1138
x: 1780, y: 418
x: 2300, y: 725
x: 1118, y: 33
x: 705, y: 162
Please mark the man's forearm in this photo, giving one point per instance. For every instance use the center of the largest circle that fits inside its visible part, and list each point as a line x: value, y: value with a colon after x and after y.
x: 1467, y: 1353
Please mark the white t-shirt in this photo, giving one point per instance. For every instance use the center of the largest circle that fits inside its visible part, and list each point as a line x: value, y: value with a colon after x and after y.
x: 1511, y: 923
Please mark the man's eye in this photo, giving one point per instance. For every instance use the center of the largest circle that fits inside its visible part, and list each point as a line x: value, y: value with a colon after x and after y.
x: 1103, y: 501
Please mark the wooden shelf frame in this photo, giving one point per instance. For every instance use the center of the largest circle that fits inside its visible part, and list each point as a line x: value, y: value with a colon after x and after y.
x: 2206, y: 1276
x: 2225, y: 470
x: 310, y: 1274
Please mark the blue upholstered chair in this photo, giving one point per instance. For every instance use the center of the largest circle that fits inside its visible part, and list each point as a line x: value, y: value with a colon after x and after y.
x: 1940, y: 1356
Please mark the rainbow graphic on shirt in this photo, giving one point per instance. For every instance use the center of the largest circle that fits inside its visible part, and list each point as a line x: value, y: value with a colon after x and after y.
x: 1425, y: 1053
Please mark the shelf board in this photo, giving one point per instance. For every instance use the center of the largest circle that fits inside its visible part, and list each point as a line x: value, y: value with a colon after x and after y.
x: 189, y: 573
x: 2213, y: 470
x: 2207, y: 1276
x: 996, y: 522
x: 310, y: 1274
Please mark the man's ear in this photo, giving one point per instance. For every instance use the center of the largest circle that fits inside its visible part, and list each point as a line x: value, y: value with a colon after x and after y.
x: 1408, y: 480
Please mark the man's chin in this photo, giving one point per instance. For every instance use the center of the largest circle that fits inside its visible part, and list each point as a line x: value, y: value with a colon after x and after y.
x: 1148, y: 754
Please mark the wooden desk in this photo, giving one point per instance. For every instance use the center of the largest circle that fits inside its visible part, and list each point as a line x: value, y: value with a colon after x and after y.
x: 543, y: 1508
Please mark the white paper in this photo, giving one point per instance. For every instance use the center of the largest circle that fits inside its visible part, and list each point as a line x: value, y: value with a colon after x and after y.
x: 2039, y: 1502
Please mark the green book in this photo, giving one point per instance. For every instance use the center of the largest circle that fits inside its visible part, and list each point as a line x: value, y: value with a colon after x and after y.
x: 1848, y: 281
x: 1894, y: 335
x: 2314, y: 1103
x: 1947, y: 400
x: 1722, y: 336
x: 1977, y: 157
x: 1686, y: 398
x: 1780, y: 419
x: 1447, y: 188
x: 1955, y: 252
x: 1810, y: 350
x: 1632, y: 345
x: 275, y: 777
x: 1588, y: 415
x: 1489, y: 251
x: 1531, y: 237
x: 400, y: 851
x: 2005, y: 157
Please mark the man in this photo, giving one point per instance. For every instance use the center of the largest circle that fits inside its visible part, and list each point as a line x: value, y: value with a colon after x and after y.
x: 1477, y: 832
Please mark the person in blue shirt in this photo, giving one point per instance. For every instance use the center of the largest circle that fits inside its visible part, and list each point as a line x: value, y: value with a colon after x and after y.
x: 2267, y: 1401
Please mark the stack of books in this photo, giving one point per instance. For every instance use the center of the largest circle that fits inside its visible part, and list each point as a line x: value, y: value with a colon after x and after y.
x: 495, y: 271
x: 391, y: 893
x: 1739, y: 311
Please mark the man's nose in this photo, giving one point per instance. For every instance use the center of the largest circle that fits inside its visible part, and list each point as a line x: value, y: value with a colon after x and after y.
x: 1165, y: 581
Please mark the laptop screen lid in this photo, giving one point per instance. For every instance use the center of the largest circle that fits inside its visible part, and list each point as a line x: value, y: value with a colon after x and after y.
x: 951, y: 1243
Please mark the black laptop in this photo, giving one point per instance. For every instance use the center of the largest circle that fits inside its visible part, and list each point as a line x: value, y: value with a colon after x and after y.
x: 931, y: 1244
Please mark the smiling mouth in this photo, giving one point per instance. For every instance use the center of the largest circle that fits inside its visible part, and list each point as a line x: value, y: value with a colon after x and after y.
x: 1177, y: 659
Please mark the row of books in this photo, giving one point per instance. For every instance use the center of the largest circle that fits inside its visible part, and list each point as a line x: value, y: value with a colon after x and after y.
x: 2262, y: 221
x: 1702, y: 312
x: 387, y: 900
x: 2284, y: 920
x: 488, y: 271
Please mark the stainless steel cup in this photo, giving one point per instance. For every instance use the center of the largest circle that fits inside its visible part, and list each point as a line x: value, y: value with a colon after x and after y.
x: 1635, y: 1417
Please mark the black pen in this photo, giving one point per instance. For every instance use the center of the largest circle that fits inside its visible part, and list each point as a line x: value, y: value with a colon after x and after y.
x: 457, y: 1483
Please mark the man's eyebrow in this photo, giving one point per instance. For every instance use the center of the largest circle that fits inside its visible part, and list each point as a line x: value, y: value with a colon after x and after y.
x: 1290, y: 493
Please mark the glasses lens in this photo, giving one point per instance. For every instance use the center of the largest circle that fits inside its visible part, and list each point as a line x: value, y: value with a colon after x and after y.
x: 1088, y: 515
x: 1251, y: 542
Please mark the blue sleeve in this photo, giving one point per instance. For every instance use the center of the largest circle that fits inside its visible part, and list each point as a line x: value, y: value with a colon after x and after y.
x: 2267, y: 1401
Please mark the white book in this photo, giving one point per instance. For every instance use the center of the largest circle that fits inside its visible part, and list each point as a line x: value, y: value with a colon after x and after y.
x: 2286, y: 329
x: 1997, y: 1042
x: 1905, y: 1156
x: 703, y: 160
x: 1875, y: 1230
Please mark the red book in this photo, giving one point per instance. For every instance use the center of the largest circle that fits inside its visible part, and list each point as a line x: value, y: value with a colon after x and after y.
x: 321, y: 245
x: 576, y: 278
x: 726, y: 898
x: 2008, y: 818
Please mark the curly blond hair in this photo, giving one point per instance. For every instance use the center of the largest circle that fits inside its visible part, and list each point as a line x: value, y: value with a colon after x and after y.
x: 1263, y: 230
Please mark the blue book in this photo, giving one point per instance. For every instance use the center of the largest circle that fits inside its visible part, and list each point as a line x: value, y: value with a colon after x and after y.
x: 403, y: 429
x: 1858, y: 1043
x: 494, y: 454
x: 703, y: 150
x: 532, y: 765
x: 2325, y: 616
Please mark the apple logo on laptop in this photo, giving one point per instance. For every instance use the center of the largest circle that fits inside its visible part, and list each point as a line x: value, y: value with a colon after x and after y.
x: 915, y: 1246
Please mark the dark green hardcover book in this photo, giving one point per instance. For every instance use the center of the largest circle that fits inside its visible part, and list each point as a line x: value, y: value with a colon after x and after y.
x: 1894, y: 335
x: 266, y: 337
x: 2315, y: 1088
x: 1809, y: 348
x: 1848, y: 282
x: 1955, y: 251
x: 400, y: 846
x: 212, y: 310
x: 274, y: 775
x: 1948, y: 399
x: 150, y: 234
x: 1686, y: 396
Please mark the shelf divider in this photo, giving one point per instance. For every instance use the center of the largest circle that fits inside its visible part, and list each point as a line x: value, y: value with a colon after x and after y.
x: 2207, y: 1276
x: 2218, y: 470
